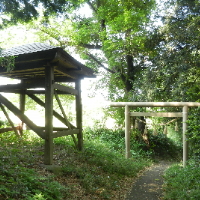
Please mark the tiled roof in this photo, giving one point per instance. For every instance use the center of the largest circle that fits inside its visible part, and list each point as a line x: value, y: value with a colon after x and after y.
x: 26, y: 49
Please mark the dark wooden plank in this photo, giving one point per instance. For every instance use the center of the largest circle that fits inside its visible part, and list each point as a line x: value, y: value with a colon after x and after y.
x: 43, y: 92
x: 21, y: 86
x: 79, y: 114
x: 69, y: 73
x: 65, y: 133
x: 21, y: 116
x: 66, y: 89
x: 38, y: 91
x: 49, y: 91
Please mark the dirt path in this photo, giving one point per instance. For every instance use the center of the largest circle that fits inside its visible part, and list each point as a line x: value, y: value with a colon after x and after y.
x: 149, y: 185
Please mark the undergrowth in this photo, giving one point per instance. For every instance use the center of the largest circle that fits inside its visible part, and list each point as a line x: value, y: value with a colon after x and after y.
x: 100, y: 171
x: 182, y: 183
x: 159, y: 146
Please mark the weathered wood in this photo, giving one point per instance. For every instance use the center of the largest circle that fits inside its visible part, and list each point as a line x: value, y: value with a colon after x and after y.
x: 54, y: 128
x: 66, y: 72
x: 65, y: 89
x: 79, y: 114
x: 65, y: 133
x: 127, y: 131
x: 9, y: 120
x: 21, y: 86
x: 155, y: 104
x: 41, y: 103
x: 22, y: 99
x: 63, y: 112
x: 185, y: 140
x: 160, y: 114
x: 185, y: 106
x: 42, y: 92
x: 3, y: 130
x: 49, y: 88
x: 21, y: 116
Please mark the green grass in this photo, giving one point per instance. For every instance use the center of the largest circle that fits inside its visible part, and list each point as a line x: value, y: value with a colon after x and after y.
x: 98, y: 172
x: 182, y: 183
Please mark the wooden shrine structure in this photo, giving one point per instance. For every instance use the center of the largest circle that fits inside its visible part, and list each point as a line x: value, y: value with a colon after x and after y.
x: 41, y: 68
x: 183, y: 114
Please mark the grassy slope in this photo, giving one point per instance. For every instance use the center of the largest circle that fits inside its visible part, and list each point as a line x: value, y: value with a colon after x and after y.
x: 182, y: 183
x: 99, y: 172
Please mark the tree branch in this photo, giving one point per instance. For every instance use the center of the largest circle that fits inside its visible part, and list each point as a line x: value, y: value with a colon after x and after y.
x: 99, y: 63
x: 91, y: 46
x: 91, y: 6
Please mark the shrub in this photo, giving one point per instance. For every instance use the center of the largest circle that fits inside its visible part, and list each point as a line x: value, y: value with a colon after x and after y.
x: 182, y: 183
x: 164, y: 147
x: 19, y: 183
x: 194, y: 132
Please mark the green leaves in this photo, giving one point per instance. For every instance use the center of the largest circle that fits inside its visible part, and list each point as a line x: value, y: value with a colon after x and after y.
x: 182, y: 183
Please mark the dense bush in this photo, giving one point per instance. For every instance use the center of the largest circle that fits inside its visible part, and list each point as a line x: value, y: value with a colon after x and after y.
x: 159, y: 145
x: 194, y: 132
x: 164, y: 147
x: 182, y: 183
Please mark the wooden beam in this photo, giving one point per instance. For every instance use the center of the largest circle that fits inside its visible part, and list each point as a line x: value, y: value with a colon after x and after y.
x: 56, y: 128
x: 155, y: 104
x: 69, y: 73
x: 65, y: 116
x: 9, y: 120
x: 22, y: 100
x: 41, y: 103
x: 21, y: 86
x: 79, y: 114
x: 3, y: 130
x: 66, y: 89
x: 21, y: 116
x: 43, y: 92
x: 65, y: 133
x: 160, y: 114
x: 49, y: 91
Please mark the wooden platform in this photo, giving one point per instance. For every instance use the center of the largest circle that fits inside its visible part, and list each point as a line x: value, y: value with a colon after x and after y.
x: 41, y: 69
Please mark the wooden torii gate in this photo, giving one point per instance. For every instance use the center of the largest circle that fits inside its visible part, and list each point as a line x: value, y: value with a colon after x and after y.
x: 41, y: 68
x: 183, y: 114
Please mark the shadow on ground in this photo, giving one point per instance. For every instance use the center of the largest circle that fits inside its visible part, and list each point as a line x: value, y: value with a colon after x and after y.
x: 148, y: 186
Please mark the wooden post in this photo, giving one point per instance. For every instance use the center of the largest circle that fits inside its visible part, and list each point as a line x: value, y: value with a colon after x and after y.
x: 22, y: 99
x: 127, y: 131
x: 185, y: 142
x: 79, y: 114
x: 49, y: 91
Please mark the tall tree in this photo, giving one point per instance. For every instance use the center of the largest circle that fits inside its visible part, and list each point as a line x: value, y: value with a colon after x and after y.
x: 174, y: 73
x: 111, y: 38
